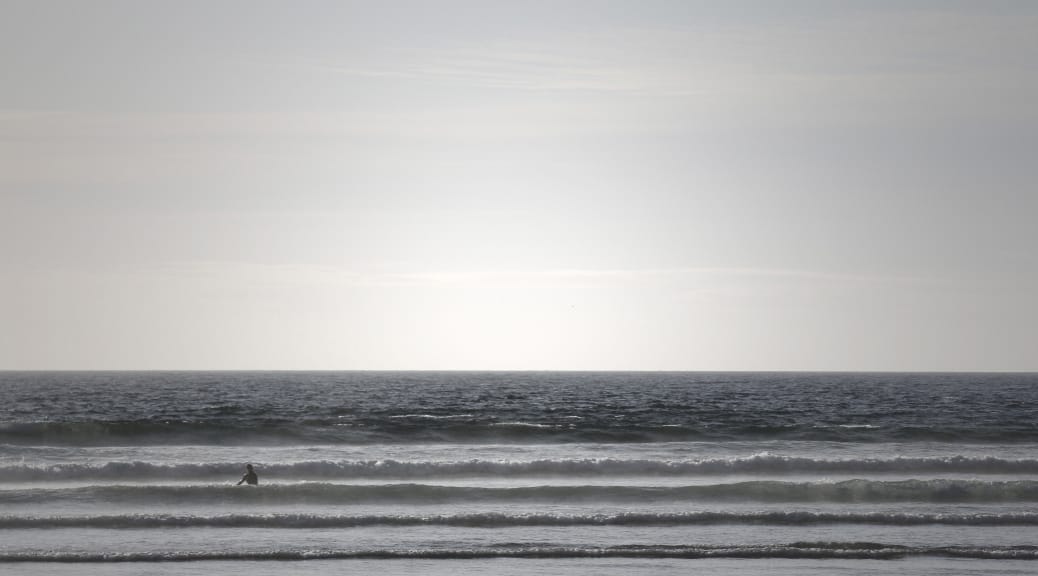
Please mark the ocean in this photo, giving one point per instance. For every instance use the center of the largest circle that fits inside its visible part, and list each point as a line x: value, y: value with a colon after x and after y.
x: 462, y: 473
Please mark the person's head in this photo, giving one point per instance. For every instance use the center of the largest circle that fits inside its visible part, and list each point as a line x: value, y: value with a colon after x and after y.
x: 248, y: 466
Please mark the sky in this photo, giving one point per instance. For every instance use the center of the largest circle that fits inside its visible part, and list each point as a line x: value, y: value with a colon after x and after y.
x: 535, y: 185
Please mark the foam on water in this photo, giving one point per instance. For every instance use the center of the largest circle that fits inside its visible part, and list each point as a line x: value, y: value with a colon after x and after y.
x: 110, y: 469
x: 497, y: 519
x: 395, y: 469
x: 817, y: 550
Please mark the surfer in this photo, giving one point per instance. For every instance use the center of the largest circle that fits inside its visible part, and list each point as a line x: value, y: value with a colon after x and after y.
x: 250, y: 476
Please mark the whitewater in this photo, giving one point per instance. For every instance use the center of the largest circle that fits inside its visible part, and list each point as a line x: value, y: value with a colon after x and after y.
x: 518, y: 473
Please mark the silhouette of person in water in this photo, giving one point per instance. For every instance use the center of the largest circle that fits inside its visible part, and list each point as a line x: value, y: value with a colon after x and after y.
x: 250, y: 476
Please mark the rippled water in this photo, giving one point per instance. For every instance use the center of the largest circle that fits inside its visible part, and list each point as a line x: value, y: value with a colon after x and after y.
x: 632, y: 473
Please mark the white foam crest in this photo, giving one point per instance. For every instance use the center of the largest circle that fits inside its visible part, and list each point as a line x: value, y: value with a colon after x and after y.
x: 820, y: 550
x: 763, y: 463
x: 937, y: 490
x: 501, y: 520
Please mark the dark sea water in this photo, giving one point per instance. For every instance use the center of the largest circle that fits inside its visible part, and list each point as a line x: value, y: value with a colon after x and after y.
x: 525, y: 472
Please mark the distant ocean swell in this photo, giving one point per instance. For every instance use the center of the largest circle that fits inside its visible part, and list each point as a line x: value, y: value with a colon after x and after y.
x: 498, y: 520
x: 938, y: 490
x: 820, y: 550
x: 391, y: 429
x: 758, y: 464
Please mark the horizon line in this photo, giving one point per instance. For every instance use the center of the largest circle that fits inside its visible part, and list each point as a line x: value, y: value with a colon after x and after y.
x: 535, y: 370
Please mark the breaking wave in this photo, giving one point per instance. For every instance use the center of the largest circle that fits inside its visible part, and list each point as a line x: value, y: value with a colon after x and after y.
x: 937, y: 490
x: 820, y: 550
x: 500, y: 520
x: 757, y: 464
x: 458, y: 428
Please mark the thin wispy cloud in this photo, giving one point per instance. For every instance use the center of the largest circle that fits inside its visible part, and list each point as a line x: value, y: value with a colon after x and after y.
x: 791, y: 171
x: 510, y: 69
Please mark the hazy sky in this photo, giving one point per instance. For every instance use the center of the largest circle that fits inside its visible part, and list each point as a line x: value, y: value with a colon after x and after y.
x: 519, y: 185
